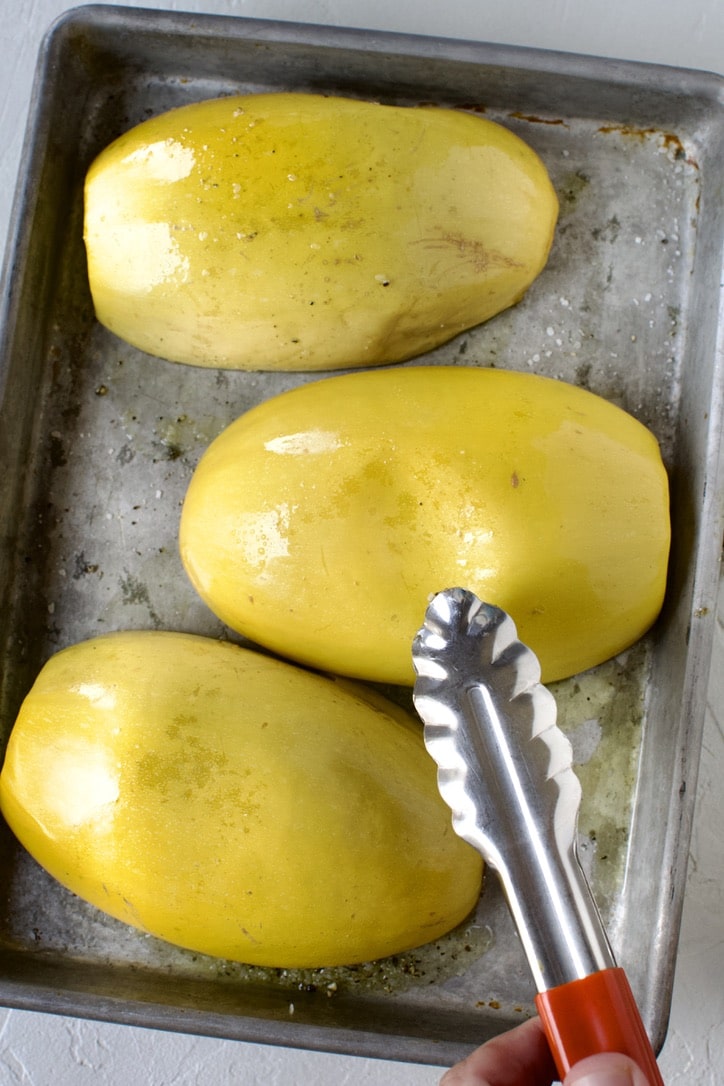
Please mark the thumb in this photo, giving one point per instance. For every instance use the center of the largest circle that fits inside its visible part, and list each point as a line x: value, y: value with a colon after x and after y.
x: 606, y: 1069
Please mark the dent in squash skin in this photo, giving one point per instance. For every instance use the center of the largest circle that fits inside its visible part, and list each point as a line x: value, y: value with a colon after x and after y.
x: 303, y: 232
x: 319, y: 523
x: 234, y: 804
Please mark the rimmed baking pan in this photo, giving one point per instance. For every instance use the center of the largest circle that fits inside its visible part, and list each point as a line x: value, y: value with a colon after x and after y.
x: 98, y: 442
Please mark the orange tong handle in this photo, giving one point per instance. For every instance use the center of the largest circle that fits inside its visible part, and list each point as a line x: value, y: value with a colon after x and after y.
x: 596, y: 1014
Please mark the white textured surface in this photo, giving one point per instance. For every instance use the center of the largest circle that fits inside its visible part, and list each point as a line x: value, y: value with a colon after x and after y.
x: 42, y: 1050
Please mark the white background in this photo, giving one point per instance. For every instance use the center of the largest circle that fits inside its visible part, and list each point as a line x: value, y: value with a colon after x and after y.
x: 43, y: 1050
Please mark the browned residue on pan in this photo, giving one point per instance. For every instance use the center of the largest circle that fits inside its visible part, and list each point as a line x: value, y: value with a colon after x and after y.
x: 669, y: 140
x: 538, y: 120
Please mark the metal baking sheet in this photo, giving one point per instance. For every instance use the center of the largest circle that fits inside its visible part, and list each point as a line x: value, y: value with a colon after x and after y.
x: 98, y: 442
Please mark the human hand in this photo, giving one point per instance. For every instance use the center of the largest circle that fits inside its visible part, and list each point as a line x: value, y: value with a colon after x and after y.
x: 521, y: 1057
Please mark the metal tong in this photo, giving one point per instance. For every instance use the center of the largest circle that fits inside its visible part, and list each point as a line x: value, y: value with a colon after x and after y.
x: 505, y: 770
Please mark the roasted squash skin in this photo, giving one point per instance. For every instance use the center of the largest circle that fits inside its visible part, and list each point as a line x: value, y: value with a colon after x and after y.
x: 234, y: 804
x: 305, y: 232
x: 319, y: 523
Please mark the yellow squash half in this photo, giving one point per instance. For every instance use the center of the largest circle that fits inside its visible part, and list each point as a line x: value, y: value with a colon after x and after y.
x: 234, y: 804
x: 319, y: 522
x: 305, y: 232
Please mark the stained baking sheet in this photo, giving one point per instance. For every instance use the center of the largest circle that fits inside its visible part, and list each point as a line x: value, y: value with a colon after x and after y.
x: 98, y: 442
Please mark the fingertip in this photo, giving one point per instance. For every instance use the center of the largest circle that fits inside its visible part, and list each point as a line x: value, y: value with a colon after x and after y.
x: 606, y: 1069
x: 519, y: 1055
